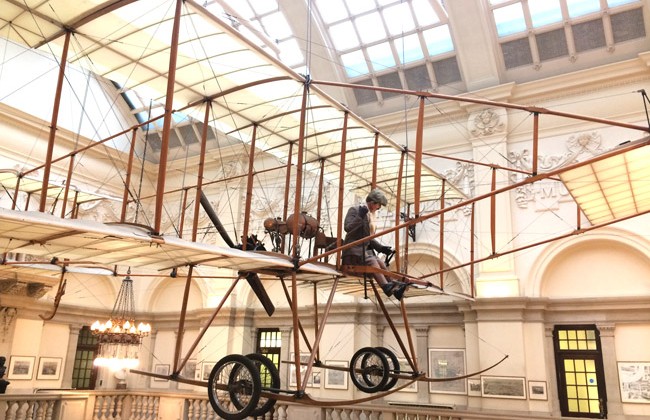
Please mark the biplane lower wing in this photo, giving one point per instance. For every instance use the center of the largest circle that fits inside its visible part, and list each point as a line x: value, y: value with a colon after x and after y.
x: 92, y: 243
x: 46, y: 236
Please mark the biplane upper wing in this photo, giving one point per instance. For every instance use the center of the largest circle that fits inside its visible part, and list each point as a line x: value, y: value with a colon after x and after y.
x: 88, y: 242
x: 129, y: 43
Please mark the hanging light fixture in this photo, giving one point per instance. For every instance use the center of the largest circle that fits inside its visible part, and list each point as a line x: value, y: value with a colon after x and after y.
x: 120, y: 338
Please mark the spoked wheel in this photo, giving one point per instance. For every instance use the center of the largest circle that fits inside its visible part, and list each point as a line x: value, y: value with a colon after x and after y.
x: 270, y: 380
x: 393, y: 367
x: 234, y: 387
x: 369, y: 370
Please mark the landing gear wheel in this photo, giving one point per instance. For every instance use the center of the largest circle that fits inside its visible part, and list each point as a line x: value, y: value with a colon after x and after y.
x: 369, y: 370
x: 393, y: 367
x: 234, y: 387
x: 270, y: 380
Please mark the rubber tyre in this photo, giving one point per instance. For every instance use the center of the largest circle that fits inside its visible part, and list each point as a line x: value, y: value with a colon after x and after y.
x: 264, y: 404
x: 369, y: 370
x: 393, y: 368
x: 234, y: 378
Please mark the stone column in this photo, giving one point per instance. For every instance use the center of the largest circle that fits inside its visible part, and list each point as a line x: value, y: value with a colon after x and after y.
x: 152, y: 345
x: 285, y: 354
x: 70, y: 355
x: 551, y: 386
x: 610, y: 370
x: 250, y: 346
x: 422, y: 356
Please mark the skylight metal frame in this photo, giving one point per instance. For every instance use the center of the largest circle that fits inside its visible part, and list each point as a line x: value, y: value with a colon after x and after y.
x: 566, y: 23
x: 375, y: 73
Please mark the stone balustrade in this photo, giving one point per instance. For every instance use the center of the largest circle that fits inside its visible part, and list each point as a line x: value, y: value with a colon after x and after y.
x: 147, y: 405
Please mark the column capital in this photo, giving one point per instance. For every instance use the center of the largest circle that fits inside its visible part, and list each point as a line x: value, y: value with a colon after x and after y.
x: 421, y: 330
x: 606, y: 329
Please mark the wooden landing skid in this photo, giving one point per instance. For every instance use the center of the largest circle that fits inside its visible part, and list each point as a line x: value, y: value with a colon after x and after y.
x: 244, y: 390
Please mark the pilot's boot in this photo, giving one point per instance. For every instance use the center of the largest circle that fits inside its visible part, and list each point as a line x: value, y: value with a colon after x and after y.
x: 399, y: 290
x: 389, y: 287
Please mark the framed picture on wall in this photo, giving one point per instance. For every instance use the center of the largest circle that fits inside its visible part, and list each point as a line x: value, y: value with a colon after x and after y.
x: 49, y: 368
x: 21, y: 367
x: 315, y: 380
x: 189, y: 370
x: 206, y: 369
x: 405, y: 367
x: 335, y: 378
x: 537, y: 390
x: 634, y: 381
x: 304, y: 358
x: 161, y: 370
x: 503, y: 387
x: 447, y: 363
x: 474, y: 387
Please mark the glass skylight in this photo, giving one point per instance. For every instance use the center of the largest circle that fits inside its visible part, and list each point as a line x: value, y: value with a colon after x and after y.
x: 265, y: 17
x: 344, y: 36
x: 360, y: 6
x: 398, y: 19
x: 389, y: 42
x: 612, y: 3
x: 397, y: 43
x: 544, y: 12
x: 332, y: 11
x: 551, y: 27
x: 409, y: 48
x: 370, y: 27
x: 510, y: 19
x: 438, y: 40
x: 582, y: 7
x: 354, y: 63
x: 424, y: 13
x: 381, y: 56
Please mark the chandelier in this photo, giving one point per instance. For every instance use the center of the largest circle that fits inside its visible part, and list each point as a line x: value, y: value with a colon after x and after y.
x: 119, y: 338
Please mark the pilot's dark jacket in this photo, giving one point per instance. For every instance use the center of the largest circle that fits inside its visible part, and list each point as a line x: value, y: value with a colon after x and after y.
x: 357, y: 227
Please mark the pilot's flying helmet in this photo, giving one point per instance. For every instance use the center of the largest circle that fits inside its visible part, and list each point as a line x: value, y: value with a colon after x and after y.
x: 378, y: 197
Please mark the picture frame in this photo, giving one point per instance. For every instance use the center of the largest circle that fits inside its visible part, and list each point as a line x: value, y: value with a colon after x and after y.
x: 447, y: 363
x: 189, y: 370
x: 474, y: 387
x: 206, y: 369
x: 513, y: 387
x: 405, y: 367
x: 537, y: 390
x: 315, y: 380
x: 161, y: 369
x: 49, y: 368
x: 334, y: 378
x: 634, y: 382
x: 21, y: 367
x: 304, y: 358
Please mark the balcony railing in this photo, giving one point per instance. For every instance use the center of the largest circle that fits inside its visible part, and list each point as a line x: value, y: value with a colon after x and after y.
x: 141, y: 405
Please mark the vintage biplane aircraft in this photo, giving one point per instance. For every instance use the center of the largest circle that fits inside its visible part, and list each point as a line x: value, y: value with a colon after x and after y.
x: 202, y: 68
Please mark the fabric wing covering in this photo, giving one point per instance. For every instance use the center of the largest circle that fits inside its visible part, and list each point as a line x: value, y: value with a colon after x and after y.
x: 128, y: 42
